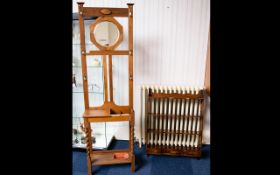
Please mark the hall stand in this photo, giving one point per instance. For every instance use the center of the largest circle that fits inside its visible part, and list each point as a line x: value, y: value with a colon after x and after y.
x: 109, y: 111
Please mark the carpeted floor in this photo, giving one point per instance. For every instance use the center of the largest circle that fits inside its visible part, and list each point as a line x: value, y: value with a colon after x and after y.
x: 152, y: 165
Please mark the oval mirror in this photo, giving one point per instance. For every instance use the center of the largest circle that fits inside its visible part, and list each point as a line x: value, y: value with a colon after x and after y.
x: 106, y: 33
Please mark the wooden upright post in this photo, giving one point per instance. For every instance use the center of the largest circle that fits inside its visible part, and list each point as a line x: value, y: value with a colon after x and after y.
x: 83, y: 54
x: 105, y: 79
x: 130, y: 73
x: 130, y: 57
x: 111, y: 78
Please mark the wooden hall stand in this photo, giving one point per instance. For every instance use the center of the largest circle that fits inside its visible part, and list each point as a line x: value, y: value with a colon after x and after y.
x: 109, y: 111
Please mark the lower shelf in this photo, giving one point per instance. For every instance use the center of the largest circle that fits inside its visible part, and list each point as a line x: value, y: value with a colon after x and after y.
x: 109, y: 157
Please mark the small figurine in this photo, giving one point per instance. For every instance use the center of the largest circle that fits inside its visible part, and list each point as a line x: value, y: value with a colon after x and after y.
x: 74, y: 80
x: 75, y: 132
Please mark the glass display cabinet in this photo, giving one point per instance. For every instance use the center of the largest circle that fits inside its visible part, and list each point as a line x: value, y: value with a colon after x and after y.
x: 95, y: 88
x: 106, y: 34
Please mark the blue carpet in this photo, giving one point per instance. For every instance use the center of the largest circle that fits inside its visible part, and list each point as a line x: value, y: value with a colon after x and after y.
x: 152, y: 165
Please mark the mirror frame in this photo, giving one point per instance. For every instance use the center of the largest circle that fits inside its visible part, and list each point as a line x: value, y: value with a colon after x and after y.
x: 106, y: 19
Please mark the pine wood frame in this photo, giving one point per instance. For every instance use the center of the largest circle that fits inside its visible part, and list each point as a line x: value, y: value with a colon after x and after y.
x: 109, y: 111
x: 108, y: 19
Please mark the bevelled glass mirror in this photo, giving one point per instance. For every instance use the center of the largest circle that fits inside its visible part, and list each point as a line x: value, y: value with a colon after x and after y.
x: 106, y: 33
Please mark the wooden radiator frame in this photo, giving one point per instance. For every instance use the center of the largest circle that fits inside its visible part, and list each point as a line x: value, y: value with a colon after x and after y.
x: 165, y: 149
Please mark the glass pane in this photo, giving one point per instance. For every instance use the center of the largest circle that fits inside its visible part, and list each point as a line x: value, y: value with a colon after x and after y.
x: 120, y: 79
x: 124, y: 43
x: 95, y: 80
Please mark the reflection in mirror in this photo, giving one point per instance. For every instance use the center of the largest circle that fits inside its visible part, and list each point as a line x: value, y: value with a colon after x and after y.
x: 106, y: 33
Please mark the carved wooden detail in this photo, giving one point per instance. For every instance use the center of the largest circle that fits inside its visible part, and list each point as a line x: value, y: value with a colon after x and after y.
x: 106, y: 11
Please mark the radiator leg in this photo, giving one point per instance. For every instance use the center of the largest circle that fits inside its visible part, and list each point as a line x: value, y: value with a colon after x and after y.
x: 89, y: 166
x: 133, y: 164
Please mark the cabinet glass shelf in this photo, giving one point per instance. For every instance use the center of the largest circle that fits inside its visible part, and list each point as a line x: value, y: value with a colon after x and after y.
x: 89, y: 93
x: 88, y: 66
x: 91, y: 89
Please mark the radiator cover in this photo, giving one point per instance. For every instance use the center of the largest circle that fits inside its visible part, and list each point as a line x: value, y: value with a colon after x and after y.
x: 173, y: 120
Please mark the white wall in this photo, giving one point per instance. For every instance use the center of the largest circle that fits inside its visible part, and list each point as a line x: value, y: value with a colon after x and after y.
x: 170, y: 43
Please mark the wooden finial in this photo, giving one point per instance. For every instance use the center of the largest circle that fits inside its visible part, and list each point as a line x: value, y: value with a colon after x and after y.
x: 130, y: 4
x: 80, y: 3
